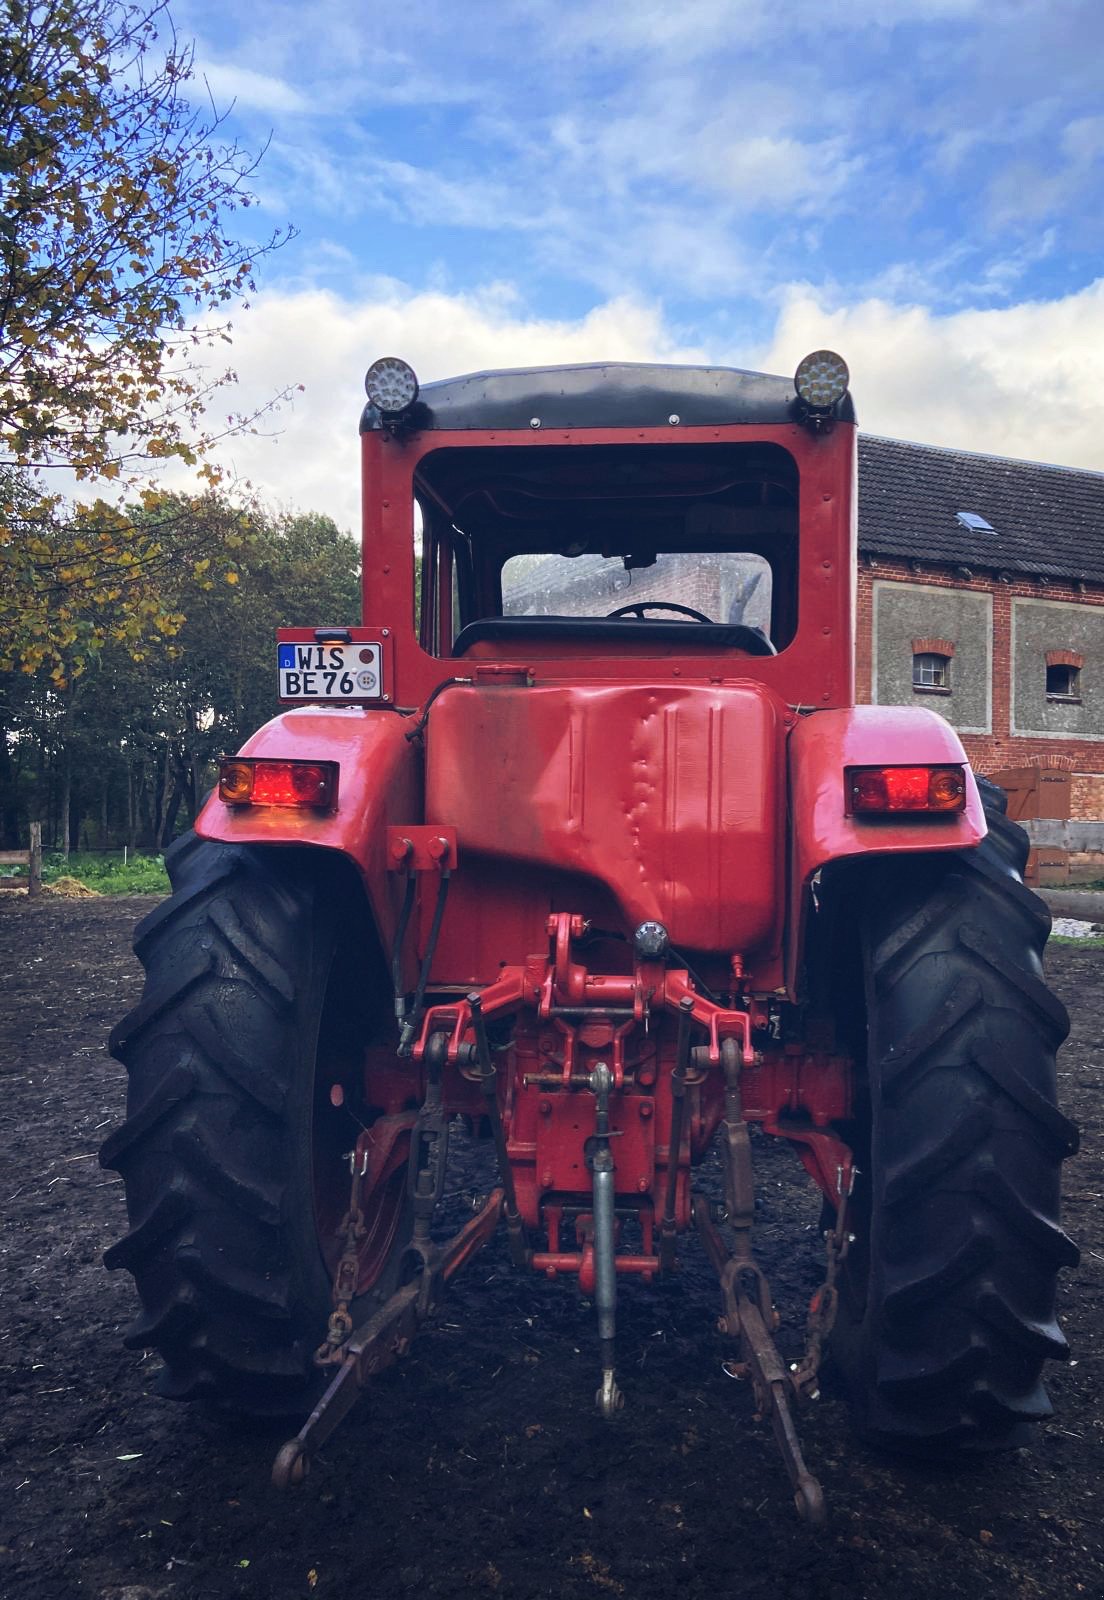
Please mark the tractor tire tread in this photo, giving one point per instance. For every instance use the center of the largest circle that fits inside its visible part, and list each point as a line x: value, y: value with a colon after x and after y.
x: 943, y: 1350
x: 203, y: 1149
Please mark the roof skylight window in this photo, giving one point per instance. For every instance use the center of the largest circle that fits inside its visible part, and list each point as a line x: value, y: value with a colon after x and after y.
x: 975, y: 523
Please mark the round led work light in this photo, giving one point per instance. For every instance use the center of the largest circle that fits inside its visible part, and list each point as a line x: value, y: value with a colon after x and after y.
x: 821, y: 379
x: 391, y: 386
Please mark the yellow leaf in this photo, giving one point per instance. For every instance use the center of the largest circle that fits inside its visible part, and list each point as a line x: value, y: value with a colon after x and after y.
x: 231, y: 577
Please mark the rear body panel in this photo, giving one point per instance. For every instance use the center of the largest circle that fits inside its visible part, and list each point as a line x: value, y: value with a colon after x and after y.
x: 619, y: 802
x: 670, y: 798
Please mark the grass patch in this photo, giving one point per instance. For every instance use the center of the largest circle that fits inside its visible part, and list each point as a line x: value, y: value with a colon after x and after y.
x: 108, y: 875
x: 1093, y: 942
x: 105, y: 874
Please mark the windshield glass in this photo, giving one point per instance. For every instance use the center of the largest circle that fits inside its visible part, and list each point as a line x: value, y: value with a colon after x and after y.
x: 725, y: 586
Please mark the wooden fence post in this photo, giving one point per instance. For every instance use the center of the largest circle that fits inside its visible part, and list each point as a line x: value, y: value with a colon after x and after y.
x: 34, y: 865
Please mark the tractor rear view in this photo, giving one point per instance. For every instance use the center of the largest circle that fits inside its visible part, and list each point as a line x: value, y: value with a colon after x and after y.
x: 580, y: 837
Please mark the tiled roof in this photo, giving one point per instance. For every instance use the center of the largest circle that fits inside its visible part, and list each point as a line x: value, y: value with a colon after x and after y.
x: 1047, y: 521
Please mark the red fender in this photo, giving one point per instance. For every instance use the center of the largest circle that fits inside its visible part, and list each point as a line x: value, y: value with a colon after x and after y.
x: 826, y: 742
x: 380, y: 784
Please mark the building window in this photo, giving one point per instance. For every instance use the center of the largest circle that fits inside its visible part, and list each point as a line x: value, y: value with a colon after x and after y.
x: 1063, y: 682
x: 931, y: 673
x: 1063, y: 676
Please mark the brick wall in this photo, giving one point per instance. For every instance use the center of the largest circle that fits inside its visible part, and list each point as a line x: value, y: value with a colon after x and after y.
x: 1000, y: 748
x: 1087, y: 796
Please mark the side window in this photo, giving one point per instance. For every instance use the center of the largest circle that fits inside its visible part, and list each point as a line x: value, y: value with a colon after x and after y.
x: 931, y: 666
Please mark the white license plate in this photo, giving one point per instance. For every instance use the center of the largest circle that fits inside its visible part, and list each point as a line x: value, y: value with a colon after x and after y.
x: 330, y: 671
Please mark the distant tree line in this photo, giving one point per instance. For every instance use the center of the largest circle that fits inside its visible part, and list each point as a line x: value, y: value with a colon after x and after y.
x: 136, y: 628
x: 112, y: 740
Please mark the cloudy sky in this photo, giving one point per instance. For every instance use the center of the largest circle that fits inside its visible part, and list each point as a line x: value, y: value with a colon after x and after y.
x: 481, y: 183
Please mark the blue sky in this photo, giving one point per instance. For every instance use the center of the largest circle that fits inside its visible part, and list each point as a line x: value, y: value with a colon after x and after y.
x: 916, y: 182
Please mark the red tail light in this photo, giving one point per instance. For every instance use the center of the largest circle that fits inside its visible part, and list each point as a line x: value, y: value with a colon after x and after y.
x: 255, y: 781
x: 885, y: 790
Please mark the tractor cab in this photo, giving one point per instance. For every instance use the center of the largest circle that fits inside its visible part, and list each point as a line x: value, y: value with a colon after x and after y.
x: 600, y: 521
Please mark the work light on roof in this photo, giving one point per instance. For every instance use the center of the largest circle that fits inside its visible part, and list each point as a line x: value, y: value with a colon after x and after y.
x: 821, y: 379
x: 391, y: 386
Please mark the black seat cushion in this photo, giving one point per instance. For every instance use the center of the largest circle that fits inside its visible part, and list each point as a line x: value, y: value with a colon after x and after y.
x: 629, y: 631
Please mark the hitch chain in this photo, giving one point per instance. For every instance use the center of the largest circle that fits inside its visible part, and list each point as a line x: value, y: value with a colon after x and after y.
x: 825, y: 1302
x: 340, y: 1326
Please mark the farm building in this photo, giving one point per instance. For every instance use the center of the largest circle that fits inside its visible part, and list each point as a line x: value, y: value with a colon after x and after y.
x: 981, y: 590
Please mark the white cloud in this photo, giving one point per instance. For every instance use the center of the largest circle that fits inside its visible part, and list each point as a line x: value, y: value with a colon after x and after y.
x: 1022, y: 380
x: 310, y: 458
x: 782, y: 172
x: 229, y: 83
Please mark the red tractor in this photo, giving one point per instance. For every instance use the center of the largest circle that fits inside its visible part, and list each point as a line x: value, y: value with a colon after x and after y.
x: 581, y: 838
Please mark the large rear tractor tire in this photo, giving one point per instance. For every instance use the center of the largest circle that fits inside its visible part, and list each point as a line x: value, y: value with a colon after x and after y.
x: 261, y: 993
x: 947, y: 1298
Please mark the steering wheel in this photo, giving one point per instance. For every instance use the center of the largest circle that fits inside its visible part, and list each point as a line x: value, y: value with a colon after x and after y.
x: 637, y: 608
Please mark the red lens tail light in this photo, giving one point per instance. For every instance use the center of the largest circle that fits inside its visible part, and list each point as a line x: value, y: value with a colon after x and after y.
x: 256, y: 781
x: 935, y: 791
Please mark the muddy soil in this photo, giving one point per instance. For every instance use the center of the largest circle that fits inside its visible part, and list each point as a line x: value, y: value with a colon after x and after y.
x: 478, y: 1467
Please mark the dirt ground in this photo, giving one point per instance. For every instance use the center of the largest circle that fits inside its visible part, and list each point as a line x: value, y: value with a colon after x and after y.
x: 478, y: 1466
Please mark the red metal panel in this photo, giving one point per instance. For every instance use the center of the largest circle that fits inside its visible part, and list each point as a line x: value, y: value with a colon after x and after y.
x: 566, y: 1122
x: 672, y: 798
x: 380, y: 784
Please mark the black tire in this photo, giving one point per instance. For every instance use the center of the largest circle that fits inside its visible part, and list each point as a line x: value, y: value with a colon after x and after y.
x: 947, y: 1299
x: 231, y: 1153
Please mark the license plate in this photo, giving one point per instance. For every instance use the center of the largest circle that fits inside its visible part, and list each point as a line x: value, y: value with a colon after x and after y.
x: 330, y: 671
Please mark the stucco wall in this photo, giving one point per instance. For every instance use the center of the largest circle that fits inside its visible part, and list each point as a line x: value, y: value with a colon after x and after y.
x: 905, y: 611
x: 1042, y: 625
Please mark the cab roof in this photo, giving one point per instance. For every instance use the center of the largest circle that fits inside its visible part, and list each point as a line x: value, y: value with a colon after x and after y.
x: 606, y: 395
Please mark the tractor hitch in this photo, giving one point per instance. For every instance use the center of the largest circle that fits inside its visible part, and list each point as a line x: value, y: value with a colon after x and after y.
x: 774, y: 1386
x: 748, y: 1313
x: 380, y: 1341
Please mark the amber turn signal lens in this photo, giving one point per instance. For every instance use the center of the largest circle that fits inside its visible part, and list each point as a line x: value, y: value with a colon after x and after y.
x: 236, y: 782
x: 892, y: 790
x: 260, y: 782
